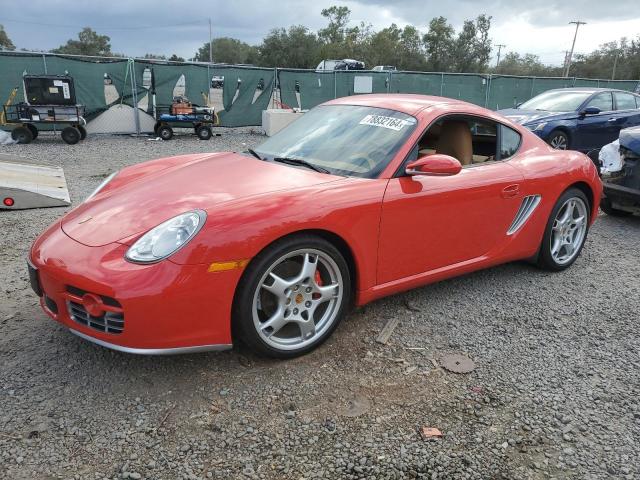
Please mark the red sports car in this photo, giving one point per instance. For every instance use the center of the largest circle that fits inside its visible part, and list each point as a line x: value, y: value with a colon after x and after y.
x: 360, y: 198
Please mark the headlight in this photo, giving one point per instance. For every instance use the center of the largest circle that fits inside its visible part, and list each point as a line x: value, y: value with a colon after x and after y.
x: 536, y: 127
x: 167, y: 238
x: 101, y: 186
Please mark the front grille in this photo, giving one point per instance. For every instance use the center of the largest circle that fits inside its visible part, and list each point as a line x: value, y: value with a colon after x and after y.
x: 110, y: 321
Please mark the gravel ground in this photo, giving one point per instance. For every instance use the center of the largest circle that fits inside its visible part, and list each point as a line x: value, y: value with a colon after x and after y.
x: 554, y: 393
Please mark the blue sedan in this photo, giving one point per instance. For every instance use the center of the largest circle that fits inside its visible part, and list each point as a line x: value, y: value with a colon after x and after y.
x: 578, y: 118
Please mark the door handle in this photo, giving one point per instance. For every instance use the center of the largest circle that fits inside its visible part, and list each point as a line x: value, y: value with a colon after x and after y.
x: 612, y: 120
x: 510, y: 191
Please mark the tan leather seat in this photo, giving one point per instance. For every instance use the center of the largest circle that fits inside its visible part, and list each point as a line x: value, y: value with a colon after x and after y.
x: 455, y: 141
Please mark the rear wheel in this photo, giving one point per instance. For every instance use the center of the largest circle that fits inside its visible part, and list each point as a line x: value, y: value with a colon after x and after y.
x: 21, y: 135
x: 33, y: 130
x: 165, y: 132
x: 71, y: 135
x: 203, y: 132
x: 558, y: 140
x: 292, y: 297
x: 566, y: 231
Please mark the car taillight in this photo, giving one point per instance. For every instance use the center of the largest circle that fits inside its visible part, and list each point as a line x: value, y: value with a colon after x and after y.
x: 8, y: 201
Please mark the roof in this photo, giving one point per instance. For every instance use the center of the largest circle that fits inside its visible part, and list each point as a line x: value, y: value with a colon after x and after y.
x: 404, y: 102
x: 586, y: 90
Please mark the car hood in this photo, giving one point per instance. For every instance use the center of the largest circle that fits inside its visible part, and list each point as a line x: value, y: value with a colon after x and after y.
x: 522, y: 117
x: 630, y: 139
x: 135, y: 203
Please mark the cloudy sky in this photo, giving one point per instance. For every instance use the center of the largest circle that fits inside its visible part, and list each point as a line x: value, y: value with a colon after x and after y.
x: 137, y: 27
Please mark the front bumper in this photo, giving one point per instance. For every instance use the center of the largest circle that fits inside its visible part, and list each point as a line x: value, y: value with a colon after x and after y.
x: 163, y: 308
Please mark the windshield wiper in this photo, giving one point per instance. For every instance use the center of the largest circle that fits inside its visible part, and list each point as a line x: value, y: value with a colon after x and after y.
x: 253, y: 152
x: 298, y: 161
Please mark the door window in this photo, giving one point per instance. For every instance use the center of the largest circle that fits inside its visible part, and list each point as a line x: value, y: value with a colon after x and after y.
x: 625, y: 101
x: 471, y: 140
x: 602, y: 101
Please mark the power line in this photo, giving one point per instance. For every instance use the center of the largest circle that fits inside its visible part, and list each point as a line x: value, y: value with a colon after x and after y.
x: 104, y: 27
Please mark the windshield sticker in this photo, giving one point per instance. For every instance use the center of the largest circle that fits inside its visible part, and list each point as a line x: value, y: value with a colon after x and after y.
x: 391, y: 123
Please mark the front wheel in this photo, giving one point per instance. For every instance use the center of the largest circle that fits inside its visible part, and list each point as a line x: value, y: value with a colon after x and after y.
x: 292, y: 297
x: 22, y: 135
x: 558, y: 140
x: 566, y: 231
x: 165, y: 132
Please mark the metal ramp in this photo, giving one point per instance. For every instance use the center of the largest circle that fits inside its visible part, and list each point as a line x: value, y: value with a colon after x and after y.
x: 28, y: 185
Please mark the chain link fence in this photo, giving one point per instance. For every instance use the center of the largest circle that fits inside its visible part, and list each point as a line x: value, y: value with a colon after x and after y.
x: 117, y: 92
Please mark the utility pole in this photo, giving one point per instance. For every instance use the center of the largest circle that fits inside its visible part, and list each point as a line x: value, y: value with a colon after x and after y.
x: 615, y: 64
x: 210, y: 43
x: 577, y: 23
x: 500, y: 45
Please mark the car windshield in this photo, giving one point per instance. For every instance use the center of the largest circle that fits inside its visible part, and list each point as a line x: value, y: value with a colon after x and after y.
x: 345, y: 140
x: 556, y: 101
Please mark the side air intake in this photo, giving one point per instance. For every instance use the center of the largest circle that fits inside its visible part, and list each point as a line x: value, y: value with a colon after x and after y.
x: 529, y: 204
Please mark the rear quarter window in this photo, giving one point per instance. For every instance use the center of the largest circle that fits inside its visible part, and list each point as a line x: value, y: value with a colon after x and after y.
x: 509, y: 142
x: 625, y: 101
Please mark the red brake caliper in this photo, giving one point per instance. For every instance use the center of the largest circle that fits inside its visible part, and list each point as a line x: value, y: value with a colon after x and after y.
x: 319, y: 282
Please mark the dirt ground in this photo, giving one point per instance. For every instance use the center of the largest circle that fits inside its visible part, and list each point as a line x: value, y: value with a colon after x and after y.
x: 554, y: 393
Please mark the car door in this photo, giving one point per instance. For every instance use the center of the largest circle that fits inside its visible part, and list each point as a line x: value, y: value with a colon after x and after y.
x: 627, y: 110
x: 594, y: 131
x: 429, y: 223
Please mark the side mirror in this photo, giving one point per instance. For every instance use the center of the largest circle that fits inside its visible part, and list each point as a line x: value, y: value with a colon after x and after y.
x: 437, y: 165
x: 590, y: 111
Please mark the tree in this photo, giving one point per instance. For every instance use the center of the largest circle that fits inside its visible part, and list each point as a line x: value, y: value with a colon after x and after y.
x: 439, y: 45
x: 227, y: 50
x: 528, y: 64
x: 624, y: 54
x: 5, y: 41
x: 399, y: 47
x: 175, y: 58
x: 412, y: 54
x: 294, y: 48
x: 88, y: 43
x: 472, y: 48
x: 338, y: 17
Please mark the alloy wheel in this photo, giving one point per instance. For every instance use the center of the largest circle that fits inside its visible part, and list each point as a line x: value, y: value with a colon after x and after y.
x: 559, y: 142
x: 297, y: 299
x: 569, y: 230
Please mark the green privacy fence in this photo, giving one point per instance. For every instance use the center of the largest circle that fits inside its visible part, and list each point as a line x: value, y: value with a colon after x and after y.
x: 247, y: 91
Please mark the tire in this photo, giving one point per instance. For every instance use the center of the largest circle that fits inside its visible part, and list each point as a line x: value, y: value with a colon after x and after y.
x: 564, y: 230
x: 22, y: 135
x: 71, y: 135
x: 33, y: 130
x: 559, y: 140
x: 313, y: 295
x: 605, y: 206
x: 83, y: 132
x: 165, y: 132
x: 204, y: 132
